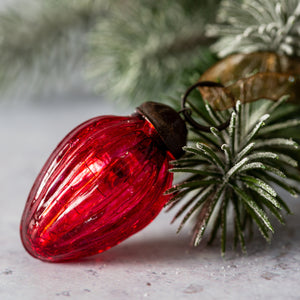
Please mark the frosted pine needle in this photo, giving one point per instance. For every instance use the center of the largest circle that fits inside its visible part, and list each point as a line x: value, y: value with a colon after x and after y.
x: 257, y: 25
x: 239, y: 172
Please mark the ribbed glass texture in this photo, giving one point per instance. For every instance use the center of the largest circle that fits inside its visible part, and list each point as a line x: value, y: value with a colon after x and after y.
x: 104, y: 182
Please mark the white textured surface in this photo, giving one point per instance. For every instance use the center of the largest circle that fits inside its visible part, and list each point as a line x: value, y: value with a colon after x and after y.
x: 154, y: 264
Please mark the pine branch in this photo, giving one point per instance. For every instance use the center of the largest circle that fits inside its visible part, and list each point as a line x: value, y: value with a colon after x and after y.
x: 42, y: 41
x: 257, y: 25
x: 244, y: 172
x: 146, y: 48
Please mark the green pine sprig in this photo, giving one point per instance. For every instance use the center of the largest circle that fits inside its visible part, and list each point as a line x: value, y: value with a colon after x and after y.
x: 144, y: 49
x: 257, y: 25
x: 130, y: 50
x: 43, y: 42
x: 239, y: 170
x: 135, y: 50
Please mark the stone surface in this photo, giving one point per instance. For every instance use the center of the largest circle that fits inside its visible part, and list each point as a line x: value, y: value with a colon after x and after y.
x: 154, y: 264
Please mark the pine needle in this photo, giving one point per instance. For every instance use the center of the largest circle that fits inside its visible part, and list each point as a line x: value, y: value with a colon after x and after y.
x: 41, y: 42
x: 257, y: 25
x: 245, y: 171
x: 143, y: 50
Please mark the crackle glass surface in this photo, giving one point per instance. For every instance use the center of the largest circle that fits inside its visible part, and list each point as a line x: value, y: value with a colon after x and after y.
x: 104, y: 182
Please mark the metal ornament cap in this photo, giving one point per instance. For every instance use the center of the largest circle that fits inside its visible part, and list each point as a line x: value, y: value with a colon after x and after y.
x: 168, y: 123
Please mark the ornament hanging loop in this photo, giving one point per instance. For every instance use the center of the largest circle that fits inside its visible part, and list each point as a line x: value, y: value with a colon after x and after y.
x: 187, y: 112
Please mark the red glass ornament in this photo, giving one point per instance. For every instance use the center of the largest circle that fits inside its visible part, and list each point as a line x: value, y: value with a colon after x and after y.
x: 104, y: 182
